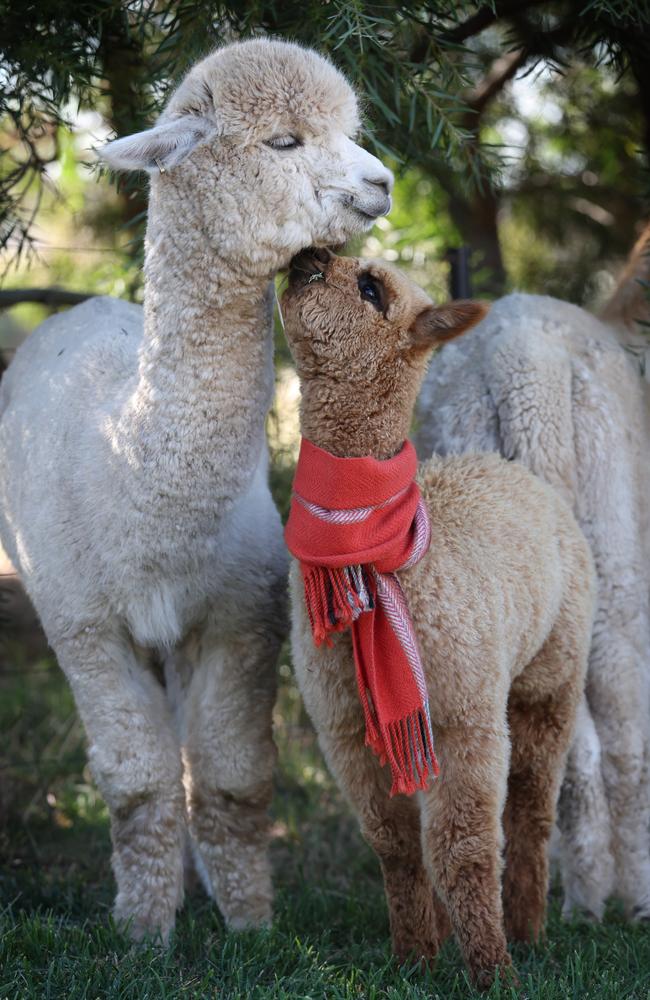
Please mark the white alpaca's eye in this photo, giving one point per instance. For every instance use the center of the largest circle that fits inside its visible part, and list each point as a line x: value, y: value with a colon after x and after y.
x: 283, y: 142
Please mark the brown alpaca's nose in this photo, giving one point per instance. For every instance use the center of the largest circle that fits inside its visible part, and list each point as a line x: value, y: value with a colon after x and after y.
x: 309, y: 265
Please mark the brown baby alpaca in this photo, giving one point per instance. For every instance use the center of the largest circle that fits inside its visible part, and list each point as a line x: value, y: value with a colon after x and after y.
x: 502, y: 606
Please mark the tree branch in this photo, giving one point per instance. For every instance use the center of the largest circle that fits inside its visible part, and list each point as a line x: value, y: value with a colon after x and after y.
x: 474, y: 25
x: 45, y: 296
x: 487, y: 16
x: 641, y: 73
x: 501, y: 70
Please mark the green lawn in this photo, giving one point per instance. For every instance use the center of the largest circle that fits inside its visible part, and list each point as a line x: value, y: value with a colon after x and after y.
x: 330, y: 937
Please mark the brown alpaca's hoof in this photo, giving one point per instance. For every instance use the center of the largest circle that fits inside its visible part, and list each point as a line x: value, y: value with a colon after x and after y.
x: 423, y: 951
x: 525, y: 930
x: 504, y: 971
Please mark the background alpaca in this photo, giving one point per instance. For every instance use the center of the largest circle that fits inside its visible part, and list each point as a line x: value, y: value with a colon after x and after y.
x: 134, y: 500
x: 501, y: 604
x: 549, y: 385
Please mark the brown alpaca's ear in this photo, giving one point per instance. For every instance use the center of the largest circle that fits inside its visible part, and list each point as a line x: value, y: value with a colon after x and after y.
x: 436, y: 324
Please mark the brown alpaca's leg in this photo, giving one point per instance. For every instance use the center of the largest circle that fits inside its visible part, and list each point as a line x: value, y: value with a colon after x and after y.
x: 443, y: 923
x: 391, y: 826
x: 461, y: 818
x: 541, y: 713
x: 540, y: 734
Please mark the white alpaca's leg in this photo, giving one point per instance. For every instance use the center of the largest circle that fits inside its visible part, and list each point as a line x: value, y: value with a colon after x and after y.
x: 586, y: 861
x: 617, y: 690
x: 229, y: 758
x: 135, y: 760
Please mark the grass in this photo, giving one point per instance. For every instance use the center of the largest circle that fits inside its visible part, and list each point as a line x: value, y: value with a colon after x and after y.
x: 330, y: 936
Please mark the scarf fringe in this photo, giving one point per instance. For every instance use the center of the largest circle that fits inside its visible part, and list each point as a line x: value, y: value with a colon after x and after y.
x: 407, y: 746
x: 335, y: 598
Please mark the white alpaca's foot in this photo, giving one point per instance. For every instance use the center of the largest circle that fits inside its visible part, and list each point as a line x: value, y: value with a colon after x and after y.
x: 634, y: 889
x: 586, y: 860
x: 148, y: 866
x: 149, y: 918
x: 238, y: 877
x: 584, y: 898
x: 587, y: 876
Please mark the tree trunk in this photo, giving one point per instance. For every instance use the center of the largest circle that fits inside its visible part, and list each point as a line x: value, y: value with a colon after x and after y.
x: 476, y: 218
x: 640, y: 66
x: 126, y: 86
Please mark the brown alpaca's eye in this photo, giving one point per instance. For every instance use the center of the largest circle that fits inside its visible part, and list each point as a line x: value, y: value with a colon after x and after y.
x: 370, y: 291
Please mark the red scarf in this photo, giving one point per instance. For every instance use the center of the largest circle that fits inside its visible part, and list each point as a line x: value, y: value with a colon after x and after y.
x: 353, y: 522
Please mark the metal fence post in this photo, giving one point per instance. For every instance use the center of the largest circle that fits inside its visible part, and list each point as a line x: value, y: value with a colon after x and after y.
x: 460, y: 285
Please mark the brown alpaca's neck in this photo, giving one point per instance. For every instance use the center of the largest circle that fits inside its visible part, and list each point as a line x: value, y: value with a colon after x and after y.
x: 352, y: 420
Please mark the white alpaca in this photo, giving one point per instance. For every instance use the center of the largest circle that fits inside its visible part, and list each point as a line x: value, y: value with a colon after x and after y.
x: 134, y: 499
x: 549, y: 385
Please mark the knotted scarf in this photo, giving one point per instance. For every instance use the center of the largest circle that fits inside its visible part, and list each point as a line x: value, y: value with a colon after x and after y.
x: 353, y: 522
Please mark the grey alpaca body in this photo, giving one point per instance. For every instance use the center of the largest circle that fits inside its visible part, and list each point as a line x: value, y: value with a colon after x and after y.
x: 546, y: 384
x: 134, y: 499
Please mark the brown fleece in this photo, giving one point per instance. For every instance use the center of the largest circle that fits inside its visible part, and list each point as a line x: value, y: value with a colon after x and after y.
x: 502, y: 604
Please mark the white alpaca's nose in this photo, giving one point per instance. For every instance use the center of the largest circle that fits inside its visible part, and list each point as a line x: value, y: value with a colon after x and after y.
x: 379, y: 202
x: 380, y: 182
x: 368, y: 183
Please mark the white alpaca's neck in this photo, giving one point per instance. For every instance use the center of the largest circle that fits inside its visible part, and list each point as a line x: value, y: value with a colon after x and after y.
x: 194, y: 426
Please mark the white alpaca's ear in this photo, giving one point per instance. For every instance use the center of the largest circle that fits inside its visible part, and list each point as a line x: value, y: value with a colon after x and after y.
x: 436, y: 324
x: 159, y: 148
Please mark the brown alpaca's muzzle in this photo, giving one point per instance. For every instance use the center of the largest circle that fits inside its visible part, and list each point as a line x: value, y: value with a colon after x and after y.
x: 308, y: 266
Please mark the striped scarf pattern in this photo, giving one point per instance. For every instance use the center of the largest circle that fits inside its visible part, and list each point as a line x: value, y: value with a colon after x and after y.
x: 353, y: 523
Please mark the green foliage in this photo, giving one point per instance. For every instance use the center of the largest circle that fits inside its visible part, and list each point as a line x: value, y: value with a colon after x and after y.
x: 418, y: 231
x: 421, y: 67
x: 57, y: 53
x: 576, y: 182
